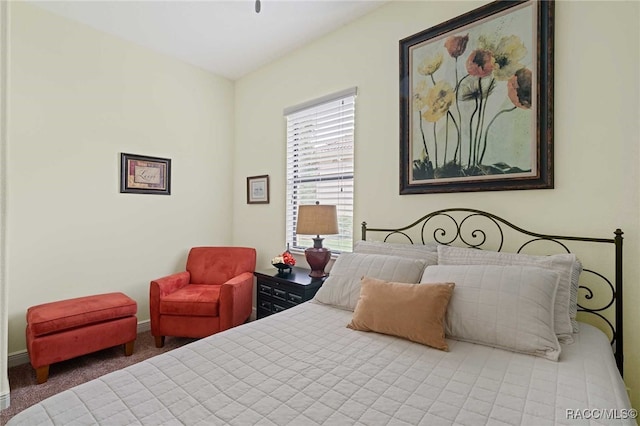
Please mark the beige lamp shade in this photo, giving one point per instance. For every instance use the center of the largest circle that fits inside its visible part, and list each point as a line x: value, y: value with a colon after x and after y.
x: 317, y: 219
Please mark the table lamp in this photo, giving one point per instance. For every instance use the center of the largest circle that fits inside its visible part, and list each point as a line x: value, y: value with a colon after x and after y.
x: 317, y: 219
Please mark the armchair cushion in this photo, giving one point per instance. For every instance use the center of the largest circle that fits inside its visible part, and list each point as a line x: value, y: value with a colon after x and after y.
x: 192, y: 300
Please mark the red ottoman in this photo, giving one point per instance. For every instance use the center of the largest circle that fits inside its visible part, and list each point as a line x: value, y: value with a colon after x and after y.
x: 66, y: 329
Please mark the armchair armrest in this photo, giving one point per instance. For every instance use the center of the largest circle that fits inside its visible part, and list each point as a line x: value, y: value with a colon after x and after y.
x: 159, y: 288
x: 236, y: 300
x: 170, y: 283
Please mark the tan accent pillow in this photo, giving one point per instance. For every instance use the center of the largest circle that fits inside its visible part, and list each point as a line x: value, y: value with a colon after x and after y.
x: 414, y: 312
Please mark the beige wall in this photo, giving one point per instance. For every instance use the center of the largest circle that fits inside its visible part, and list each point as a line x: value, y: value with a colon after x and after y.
x: 596, y: 132
x: 78, y: 98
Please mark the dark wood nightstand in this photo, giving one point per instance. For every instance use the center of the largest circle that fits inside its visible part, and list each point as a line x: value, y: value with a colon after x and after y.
x: 277, y: 292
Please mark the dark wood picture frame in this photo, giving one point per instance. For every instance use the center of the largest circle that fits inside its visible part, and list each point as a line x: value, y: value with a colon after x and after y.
x: 141, y: 174
x: 449, y: 72
x: 258, y: 189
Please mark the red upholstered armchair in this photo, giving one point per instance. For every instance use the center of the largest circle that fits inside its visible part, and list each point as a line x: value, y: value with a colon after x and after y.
x: 215, y: 293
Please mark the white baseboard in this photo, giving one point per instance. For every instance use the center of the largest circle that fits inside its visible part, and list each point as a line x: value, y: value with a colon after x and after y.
x: 22, y: 357
x: 144, y: 326
x: 5, y: 401
x: 17, y: 358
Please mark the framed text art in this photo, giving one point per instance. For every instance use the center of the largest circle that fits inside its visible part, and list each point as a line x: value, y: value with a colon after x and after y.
x: 258, y: 189
x: 476, y: 101
x: 140, y: 174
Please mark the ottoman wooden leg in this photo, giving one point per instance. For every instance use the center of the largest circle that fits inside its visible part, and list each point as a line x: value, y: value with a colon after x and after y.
x: 159, y: 341
x: 128, y: 348
x: 42, y: 374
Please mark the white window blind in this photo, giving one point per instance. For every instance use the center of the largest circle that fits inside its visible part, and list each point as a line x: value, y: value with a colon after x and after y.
x: 320, y: 137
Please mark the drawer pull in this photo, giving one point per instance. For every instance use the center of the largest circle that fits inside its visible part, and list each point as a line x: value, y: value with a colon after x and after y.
x: 280, y: 294
x: 265, y: 305
x: 265, y: 289
x: 278, y: 308
x: 294, y: 298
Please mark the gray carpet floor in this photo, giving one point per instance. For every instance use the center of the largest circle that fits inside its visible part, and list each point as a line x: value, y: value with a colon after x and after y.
x: 64, y: 375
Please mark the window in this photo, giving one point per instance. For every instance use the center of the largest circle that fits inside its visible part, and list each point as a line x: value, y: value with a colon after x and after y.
x: 320, y: 164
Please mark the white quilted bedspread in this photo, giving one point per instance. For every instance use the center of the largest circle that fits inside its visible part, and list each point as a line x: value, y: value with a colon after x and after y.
x: 304, y: 367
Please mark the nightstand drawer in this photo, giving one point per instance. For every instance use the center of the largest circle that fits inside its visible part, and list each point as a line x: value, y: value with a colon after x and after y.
x: 279, y: 294
x: 277, y: 308
x: 294, y: 298
x: 265, y: 304
x: 264, y: 289
x: 266, y: 307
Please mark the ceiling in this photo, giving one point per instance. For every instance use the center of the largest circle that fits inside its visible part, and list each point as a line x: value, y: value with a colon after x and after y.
x: 226, y: 37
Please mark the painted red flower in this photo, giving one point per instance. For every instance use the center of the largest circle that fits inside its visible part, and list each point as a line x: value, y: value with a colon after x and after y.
x: 456, y: 45
x: 519, y: 88
x: 480, y: 63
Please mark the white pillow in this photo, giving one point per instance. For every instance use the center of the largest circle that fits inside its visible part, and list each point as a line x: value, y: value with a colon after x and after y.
x: 573, y: 302
x: 428, y: 252
x: 563, y: 264
x: 342, y: 287
x: 507, y: 307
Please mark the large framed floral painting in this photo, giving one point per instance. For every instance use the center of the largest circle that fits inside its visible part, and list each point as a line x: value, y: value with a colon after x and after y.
x: 476, y: 101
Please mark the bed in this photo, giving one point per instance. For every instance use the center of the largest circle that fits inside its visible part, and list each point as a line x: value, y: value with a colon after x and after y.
x: 304, y: 366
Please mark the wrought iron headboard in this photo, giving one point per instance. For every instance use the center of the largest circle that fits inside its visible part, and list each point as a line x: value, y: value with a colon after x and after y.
x: 460, y: 227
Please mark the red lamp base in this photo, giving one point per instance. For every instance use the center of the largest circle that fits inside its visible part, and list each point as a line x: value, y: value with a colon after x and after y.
x: 317, y: 259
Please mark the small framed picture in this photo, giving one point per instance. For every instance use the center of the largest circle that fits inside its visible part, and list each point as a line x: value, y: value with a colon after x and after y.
x: 140, y: 174
x: 258, y: 189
